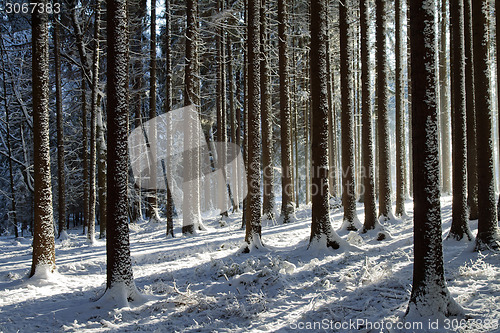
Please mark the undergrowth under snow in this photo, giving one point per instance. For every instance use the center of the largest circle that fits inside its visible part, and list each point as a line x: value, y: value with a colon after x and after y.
x: 205, y: 284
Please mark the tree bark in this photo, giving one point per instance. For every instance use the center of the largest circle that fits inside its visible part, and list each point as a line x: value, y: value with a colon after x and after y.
x: 253, y: 219
x: 383, y: 111
x: 367, y: 125
x: 347, y: 119
x: 43, y: 235
x: 322, y: 233
x: 429, y: 296
x: 487, y: 231
x: 287, y: 188
x: 459, y: 226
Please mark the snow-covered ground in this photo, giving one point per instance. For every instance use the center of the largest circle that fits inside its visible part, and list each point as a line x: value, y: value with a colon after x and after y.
x: 204, y: 284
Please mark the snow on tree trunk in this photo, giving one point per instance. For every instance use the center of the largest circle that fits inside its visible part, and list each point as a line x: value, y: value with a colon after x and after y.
x: 267, y: 124
x: 168, y: 108
x: 253, y: 218
x: 460, y: 222
x: 383, y: 111
x: 93, y: 125
x: 400, y: 113
x: 367, y: 139
x: 120, y: 287
x: 43, y: 233
x: 487, y: 231
x: 152, y: 205
x: 287, y: 188
x: 61, y: 182
x: 351, y: 221
x: 444, y: 103
x: 190, y: 204
x: 471, y: 115
x: 429, y: 297
x: 322, y: 234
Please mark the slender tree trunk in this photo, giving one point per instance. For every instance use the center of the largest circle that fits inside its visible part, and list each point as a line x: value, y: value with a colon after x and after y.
x: 120, y: 281
x: 267, y: 124
x: 383, y: 111
x: 93, y: 124
x: 253, y: 222
x: 400, y: 114
x: 429, y: 295
x: 168, y: 108
x: 101, y: 171
x: 85, y: 156
x: 322, y: 233
x: 408, y: 73
x: 487, y: 231
x: 347, y: 119
x: 459, y: 226
x: 152, y: 203
x: 367, y: 125
x: 287, y: 188
x: 444, y: 102
x: 13, y: 213
x: 43, y: 235
x: 472, y: 181
x: 191, y: 206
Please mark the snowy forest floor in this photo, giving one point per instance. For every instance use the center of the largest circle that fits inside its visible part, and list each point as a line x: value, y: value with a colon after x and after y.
x: 204, y: 284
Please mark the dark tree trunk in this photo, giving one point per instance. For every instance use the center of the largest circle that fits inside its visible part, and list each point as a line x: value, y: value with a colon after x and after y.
x: 383, y: 111
x: 61, y: 182
x: 444, y: 103
x: 93, y: 124
x: 367, y: 139
x: 347, y: 119
x: 267, y: 124
x: 253, y: 218
x: 168, y: 108
x: 43, y: 235
x: 120, y: 281
x: 287, y: 188
x: 190, y: 204
x: 429, y: 295
x: 459, y: 226
x: 400, y: 114
x: 151, y: 212
x: 471, y: 116
x: 487, y: 231
x: 322, y: 233
x: 101, y: 171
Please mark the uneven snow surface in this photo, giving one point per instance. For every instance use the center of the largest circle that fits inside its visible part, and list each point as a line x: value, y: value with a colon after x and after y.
x: 205, y: 284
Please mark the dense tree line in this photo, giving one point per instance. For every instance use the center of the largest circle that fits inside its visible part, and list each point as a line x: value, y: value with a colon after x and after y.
x: 307, y: 89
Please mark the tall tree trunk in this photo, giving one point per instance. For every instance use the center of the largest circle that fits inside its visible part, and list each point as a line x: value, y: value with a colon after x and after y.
x: 459, y: 226
x: 497, y: 25
x: 429, y: 295
x: 400, y: 114
x: 152, y: 204
x: 347, y: 120
x: 444, y: 102
x: 487, y: 230
x: 287, y: 188
x: 322, y: 233
x: 472, y: 181
x: 43, y: 235
x: 168, y: 108
x: 267, y: 123
x: 13, y: 213
x: 367, y: 125
x: 253, y: 221
x: 120, y: 281
x: 383, y: 112
x: 101, y: 171
x: 191, y: 205
x: 85, y: 156
x: 61, y: 188
x: 93, y: 124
